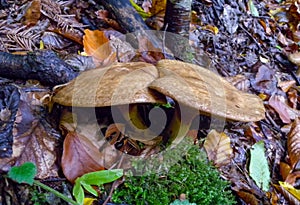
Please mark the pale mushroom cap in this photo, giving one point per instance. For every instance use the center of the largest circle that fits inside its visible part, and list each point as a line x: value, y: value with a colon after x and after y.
x: 202, y: 89
x: 191, y: 85
x: 120, y: 83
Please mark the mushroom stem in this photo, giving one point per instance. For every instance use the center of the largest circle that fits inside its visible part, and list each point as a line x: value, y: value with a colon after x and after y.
x: 180, y: 124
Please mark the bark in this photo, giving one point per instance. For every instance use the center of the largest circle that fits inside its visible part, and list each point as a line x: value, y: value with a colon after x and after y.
x: 177, y: 21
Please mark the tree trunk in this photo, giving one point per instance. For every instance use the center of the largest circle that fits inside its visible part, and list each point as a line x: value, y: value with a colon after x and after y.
x: 177, y: 21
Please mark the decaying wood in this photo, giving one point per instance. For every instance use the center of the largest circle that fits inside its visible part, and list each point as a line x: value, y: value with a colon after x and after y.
x: 42, y: 65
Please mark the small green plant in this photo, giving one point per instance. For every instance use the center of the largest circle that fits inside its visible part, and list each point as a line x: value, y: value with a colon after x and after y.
x: 27, y: 171
x: 94, y: 178
x: 192, y: 175
x: 38, y: 197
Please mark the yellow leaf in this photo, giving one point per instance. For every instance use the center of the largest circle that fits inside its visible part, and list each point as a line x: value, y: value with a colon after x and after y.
x: 290, y: 189
x: 88, y: 201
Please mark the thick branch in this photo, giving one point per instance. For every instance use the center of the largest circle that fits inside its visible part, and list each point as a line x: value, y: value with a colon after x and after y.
x: 42, y: 65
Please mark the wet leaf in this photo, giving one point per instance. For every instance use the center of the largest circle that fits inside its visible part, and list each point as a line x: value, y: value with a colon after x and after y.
x: 293, y: 143
x: 258, y: 168
x: 24, y: 173
x: 79, y: 157
x: 217, y: 147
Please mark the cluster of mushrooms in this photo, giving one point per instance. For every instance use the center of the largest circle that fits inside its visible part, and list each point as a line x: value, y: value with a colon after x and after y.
x: 194, y: 89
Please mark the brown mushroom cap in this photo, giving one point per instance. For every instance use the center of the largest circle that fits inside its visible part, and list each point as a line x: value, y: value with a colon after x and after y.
x: 192, y: 85
x: 202, y: 89
x: 120, y: 83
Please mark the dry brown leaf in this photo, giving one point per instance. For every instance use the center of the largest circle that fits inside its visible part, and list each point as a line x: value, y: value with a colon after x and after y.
x: 252, y: 130
x: 96, y: 44
x: 218, y: 149
x: 33, y: 13
x: 248, y: 197
x: 285, y: 169
x: 293, y: 143
x: 278, y: 104
x: 79, y: 157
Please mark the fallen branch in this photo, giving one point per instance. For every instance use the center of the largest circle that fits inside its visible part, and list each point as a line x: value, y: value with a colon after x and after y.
x: 42, y: 65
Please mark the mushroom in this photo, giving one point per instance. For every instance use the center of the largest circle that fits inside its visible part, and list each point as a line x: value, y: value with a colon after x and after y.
x: 194, y: 88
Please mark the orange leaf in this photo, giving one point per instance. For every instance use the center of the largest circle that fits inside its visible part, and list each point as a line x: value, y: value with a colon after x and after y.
x: 96, y: 44
x: 293, y: 143
x: 80, y: 156
x: 33, y: 13
x: 217, y: 146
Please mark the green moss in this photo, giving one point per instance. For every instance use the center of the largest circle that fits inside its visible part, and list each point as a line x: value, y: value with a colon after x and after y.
x: 191, y: 175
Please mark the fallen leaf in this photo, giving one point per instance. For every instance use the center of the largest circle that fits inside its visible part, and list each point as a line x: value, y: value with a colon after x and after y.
x: 217, y: 147
x: 293, y: 143
x: 79, y: 157
x: 96, y: 45
x: 285, y: 169
x: 258, y: 167
x: 290, y: 189
x: 247, y: 197
x: 288, y: 196
x: 265, y: 81
x: 34, y: 139
x: 33, y: 13
x: 277, y: 102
